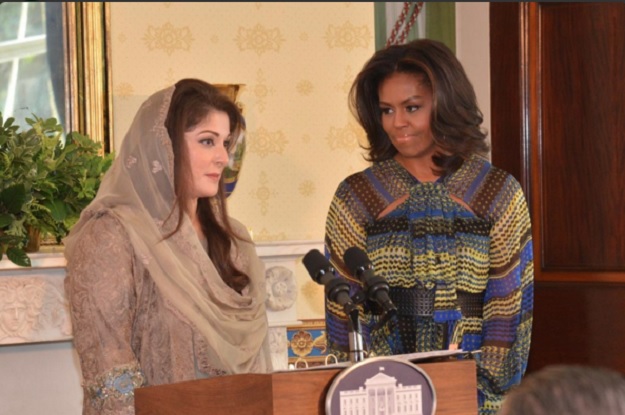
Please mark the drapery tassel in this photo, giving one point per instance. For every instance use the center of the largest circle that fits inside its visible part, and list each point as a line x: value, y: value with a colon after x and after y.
x: 399, y: 34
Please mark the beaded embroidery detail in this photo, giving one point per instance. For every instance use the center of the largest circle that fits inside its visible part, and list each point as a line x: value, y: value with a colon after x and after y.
x: 130, y: 161
x: 119, y: 384
x: 156, y: 166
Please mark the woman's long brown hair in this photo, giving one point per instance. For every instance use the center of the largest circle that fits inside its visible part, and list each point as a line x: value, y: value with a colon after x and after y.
x: 191, y: 102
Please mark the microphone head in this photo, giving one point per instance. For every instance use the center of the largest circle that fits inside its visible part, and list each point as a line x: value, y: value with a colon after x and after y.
x: 377, y: 288
x: 317, y: 264
x: 356, y: 260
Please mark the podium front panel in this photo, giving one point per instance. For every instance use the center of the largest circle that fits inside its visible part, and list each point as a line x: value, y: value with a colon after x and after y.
x: 293, y: 392
x: 223, y: 395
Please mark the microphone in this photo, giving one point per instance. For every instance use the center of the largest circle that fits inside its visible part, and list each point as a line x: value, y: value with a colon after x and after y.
x: 322, y: 272
x: 337, y: 290
x: 377, y: 287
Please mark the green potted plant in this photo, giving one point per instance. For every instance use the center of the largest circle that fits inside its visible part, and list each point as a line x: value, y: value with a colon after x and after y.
x: 46, y: 180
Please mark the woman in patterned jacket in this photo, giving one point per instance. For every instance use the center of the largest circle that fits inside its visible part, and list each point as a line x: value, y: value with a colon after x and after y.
x: 449, y: 232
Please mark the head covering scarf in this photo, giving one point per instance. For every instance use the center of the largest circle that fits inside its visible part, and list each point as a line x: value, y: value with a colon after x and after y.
x: 139, y: 190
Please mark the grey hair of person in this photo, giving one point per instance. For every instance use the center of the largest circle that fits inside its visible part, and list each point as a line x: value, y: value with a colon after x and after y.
x: 568, y: 389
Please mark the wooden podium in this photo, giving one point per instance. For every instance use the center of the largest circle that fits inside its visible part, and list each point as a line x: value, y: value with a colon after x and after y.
x: 294, y: 392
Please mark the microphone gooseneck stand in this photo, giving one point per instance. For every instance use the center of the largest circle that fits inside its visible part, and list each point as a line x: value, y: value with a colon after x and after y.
x: 356, y: 350
x: 337, y: 290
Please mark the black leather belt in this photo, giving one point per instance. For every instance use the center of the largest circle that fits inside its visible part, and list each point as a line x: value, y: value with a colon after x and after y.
x: 419, y: 302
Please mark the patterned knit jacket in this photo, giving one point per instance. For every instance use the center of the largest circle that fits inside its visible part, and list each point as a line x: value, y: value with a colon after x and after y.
x: 457, y: 255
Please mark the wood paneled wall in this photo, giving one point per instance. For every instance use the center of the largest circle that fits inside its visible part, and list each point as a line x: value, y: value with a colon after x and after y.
x: 558, y: 119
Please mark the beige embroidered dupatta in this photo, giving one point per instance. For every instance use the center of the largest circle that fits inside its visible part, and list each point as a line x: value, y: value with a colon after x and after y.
x: 138, y: 189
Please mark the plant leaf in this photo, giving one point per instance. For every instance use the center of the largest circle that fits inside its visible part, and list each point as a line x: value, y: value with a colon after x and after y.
x: 58, y: 175
x: 13, y: 198
x: 58, y: 209
x: 18, y: 257
x: 9, y: 121
x: 5, y: 220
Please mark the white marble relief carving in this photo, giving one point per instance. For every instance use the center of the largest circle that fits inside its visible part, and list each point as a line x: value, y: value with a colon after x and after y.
x: 32, y: 309
x: 278, y: 345
x: 281, y: 288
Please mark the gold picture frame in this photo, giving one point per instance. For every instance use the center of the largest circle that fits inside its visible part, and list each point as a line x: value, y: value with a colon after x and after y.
x: 88, y: 103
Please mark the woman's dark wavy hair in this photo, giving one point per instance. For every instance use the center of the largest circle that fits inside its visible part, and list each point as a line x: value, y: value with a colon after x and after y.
x: 456, y: 118
x: 191, y: 102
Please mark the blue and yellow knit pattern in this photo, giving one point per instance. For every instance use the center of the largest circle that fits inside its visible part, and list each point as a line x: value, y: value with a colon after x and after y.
x: 457, y: 254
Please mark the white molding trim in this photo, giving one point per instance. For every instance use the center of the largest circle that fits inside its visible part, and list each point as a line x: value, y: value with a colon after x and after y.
x: 49, y: 321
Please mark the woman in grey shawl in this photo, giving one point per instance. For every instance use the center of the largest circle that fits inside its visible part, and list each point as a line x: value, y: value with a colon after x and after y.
x: 163, y: 285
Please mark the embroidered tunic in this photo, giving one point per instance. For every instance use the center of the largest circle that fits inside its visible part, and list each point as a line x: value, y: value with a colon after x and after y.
x: 125, y: 334
x: 460, y: 271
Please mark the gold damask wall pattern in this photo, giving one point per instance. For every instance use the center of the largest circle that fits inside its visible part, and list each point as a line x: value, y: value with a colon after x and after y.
x: 304, y: 87
x: 168, y: 38
x: 307, y: 188
x: 261, y: 90
x: 260, y: 39
x: 123, y: 90
x: 343, y: 138
x: 265, y: 235
x: 346, y: 85
x: 262, y: 193
x: 348, y: 37
x: 264, y: 142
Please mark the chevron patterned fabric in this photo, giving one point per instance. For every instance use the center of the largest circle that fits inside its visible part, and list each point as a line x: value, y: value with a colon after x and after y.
x: 457, y: 254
